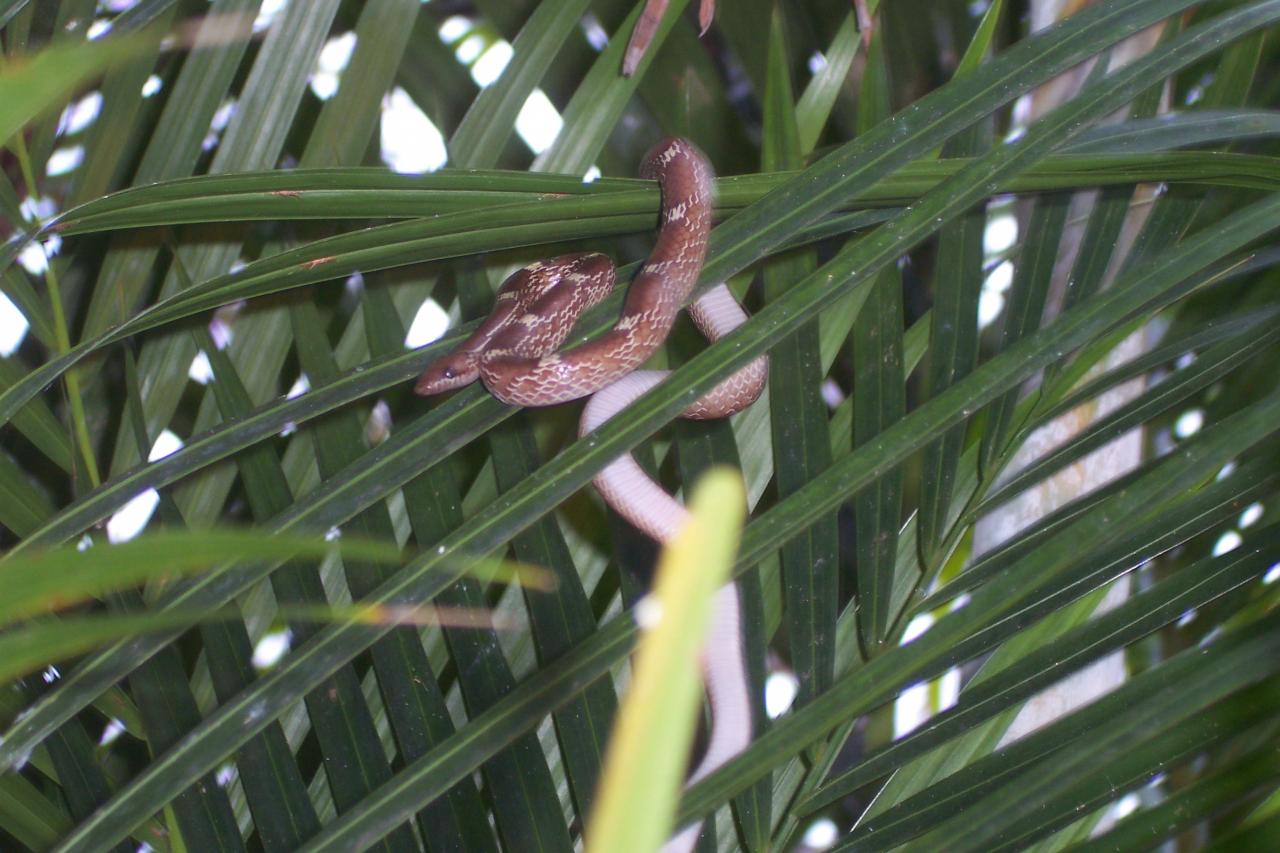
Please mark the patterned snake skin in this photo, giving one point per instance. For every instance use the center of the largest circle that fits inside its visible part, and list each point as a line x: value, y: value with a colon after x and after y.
x: 515, y: 353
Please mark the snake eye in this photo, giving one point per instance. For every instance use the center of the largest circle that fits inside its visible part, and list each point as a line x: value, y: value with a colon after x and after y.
x: 449, y: 373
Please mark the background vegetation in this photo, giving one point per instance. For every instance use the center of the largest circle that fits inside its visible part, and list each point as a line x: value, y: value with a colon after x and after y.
x: 221, y: 207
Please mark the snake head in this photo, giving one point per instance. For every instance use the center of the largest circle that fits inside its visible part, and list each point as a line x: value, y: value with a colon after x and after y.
x: 448, y: 373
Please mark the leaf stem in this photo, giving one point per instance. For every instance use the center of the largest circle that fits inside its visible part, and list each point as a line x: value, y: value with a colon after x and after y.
x: 62, y: 337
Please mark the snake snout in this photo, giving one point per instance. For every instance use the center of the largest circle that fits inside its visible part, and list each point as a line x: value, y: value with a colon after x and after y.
x: 451, y: 372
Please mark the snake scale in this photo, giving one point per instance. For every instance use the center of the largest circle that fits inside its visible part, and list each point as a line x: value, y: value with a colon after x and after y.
x: 515, y: 352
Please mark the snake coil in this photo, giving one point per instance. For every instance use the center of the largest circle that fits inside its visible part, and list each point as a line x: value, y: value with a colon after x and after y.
x: 515, y: 352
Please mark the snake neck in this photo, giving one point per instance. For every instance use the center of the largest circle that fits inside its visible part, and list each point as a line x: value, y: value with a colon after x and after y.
x: 667, y: 278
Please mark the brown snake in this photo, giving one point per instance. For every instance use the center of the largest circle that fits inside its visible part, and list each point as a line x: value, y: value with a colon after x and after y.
x: 514, y: 352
